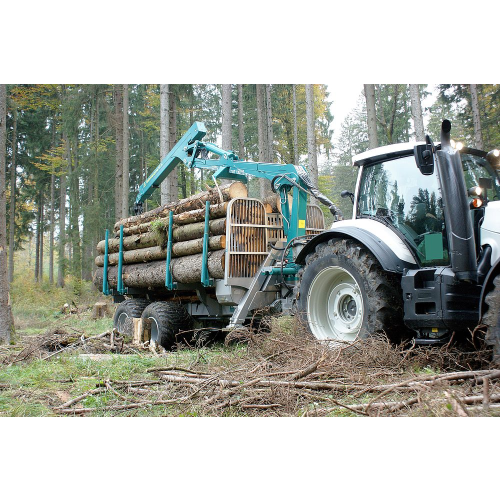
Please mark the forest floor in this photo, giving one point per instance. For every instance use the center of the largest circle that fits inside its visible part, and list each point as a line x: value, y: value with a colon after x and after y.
x: 67, y: 364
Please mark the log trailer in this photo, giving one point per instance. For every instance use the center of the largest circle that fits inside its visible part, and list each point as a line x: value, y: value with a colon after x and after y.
x: 421, y: 253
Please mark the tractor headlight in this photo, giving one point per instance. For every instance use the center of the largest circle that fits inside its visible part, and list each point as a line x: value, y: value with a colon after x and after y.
x: 475, y: 191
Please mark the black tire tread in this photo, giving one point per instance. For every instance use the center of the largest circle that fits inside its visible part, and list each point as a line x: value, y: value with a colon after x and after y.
x: 386, y: 312
x: 132, y: 307
x: 172, y: 318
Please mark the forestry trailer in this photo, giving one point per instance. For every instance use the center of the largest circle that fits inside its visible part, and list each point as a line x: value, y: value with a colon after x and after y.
x: 421, y: 253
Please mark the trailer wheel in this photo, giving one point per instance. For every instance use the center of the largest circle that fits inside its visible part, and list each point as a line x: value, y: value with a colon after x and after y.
x: 492, y: 319
x: 344, y: 294
x: 126, y: 310
x: 168, y: 321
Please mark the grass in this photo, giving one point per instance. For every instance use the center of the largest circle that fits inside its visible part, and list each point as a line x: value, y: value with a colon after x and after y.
x: 34, y: 387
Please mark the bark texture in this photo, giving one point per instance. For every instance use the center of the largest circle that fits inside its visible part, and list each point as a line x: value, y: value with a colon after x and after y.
x: 5, y: 313
x: 227, y: 135
x: 311, y: 138
x: 149, y: 254
x: 371, y: 114
x: 416, y: 112
x: 12, y: 217
x: 125, y: 183
x: 118, y: 116
x: 152, y: 274
x: 228, y: 192
x: 476, y: 117
x: 216, y: 212
x: 241, y: 125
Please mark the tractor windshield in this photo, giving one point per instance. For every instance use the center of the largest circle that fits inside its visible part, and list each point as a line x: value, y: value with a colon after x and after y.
x: 476, y: 167
x: 397, y: 193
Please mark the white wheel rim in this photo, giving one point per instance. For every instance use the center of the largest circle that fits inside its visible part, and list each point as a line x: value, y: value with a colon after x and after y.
x: 154, y: 330
x: 120, y: 321
x: 335, y: 305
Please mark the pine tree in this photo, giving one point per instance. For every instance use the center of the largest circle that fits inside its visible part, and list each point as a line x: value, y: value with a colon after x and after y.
x: 371, y: 114
x: 416, y: 112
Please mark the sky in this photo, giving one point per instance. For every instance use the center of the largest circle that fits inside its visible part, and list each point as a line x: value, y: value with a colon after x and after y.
x: 345, y: 96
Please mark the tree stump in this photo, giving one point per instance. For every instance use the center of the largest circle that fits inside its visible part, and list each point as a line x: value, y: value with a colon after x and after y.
x: 100, y: 310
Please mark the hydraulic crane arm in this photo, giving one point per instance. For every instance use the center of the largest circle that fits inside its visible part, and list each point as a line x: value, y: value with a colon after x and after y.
x: 193, y: 152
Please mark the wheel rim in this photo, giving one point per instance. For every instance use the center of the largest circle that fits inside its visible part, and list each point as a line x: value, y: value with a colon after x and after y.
x: 335, y: 305
x: 154, y: 330
x: 120, y: 321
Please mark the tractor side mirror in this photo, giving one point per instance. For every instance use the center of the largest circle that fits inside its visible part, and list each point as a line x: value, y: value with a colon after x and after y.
x: 345, y: 194
x: 424, y: 158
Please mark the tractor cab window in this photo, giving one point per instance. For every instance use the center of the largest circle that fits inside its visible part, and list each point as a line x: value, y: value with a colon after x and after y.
x: 476, y: 167
x: 396, y: 193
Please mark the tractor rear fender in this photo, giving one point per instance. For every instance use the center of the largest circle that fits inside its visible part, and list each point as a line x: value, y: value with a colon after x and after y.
x: 388, y: 248
x: 488, y: 284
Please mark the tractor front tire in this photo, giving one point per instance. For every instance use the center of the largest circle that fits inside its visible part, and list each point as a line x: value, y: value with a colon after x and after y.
x: 345, y: 295
x: 126, y: 310
x: 168, y: 321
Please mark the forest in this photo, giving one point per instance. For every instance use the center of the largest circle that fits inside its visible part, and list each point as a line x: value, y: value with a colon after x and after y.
x: 72, y: 158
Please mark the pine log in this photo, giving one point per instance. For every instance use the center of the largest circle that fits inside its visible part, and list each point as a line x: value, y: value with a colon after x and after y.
x: 159, y: 238
x: 197, y: 201
x: 152, y: 274
x: 272, y: 204
x: 179, y: 249
x: 136, y: 241
x: 216, y: 212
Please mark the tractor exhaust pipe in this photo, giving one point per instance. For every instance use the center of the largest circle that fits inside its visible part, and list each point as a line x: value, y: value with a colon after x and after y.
x: 461, y: 245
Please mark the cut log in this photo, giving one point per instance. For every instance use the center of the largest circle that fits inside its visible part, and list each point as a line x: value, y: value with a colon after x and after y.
x: 216, y: 212
x: 197, y: 201
x: 152, y: 274
x: 136, y: 241
x: 159, y: 237
x: 272, y: 204
x: 179, y: 249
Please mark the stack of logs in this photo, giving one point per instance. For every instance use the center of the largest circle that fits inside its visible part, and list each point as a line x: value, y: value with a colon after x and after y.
x: 145, y: 241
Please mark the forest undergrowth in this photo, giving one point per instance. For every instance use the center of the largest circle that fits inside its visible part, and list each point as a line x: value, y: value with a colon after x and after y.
x: 64, y: 363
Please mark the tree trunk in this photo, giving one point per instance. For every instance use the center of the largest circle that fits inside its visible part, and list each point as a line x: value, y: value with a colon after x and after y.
x: 164, y: 136
x: 228, y: 192
x: 269, y: 123
x: 152, y: 274
x: 52, y: 223
x: 265, y: 188
x: 227, y: 134
x: 40, y: 267
x: 6, y: 325
x: 126, y: 133
x: 476, y: 117
x: 37, y: 243
x: 311, y: 138
x: 173, y: 186
x: 295, y: 130
x: 149, y: 254
x: 62, y: 232
x: 416, y: 112
x: 118, y: 94
x: 216, y: 212
x: 241, y: 125
x: 371, y: 114
x: 76, y: 263
x: 12, y: 220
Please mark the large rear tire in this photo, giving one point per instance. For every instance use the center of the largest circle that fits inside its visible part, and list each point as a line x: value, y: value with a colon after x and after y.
x: 168, y: 321
x: 492, y: 319
x: 344, y: 294
x: 126, y: 310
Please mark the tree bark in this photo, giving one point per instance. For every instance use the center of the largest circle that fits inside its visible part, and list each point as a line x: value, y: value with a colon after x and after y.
x: 118, y: 94
x: 295, y: 129
x: 230, y: 191
x: 371, y: 115
x: 40, y: 267
x: 164, y: 137
x: 269, y: 123
x: 179, y: 249
x: 216, y: 212
x: 241, y: 125
x: 265, y: 189
x: 476, y: 117
x: 153, y: 238
x: 52, y: 223
x: 12, y: 220
x: 62, y: 232
x: 416, y: 112
x: 311, y: 138
x: 152, y: 274
x: 227, y: 134
x: 126, y: 133
x: 6, y: 325
x: 37, y: 243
